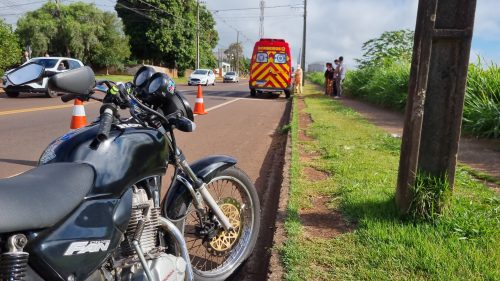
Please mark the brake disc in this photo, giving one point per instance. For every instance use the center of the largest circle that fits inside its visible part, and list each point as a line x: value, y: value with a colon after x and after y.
x: 224, y: 241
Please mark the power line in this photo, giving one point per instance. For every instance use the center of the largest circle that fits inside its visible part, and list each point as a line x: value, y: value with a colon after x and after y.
x: 23, y: 4
x: 251, y: 8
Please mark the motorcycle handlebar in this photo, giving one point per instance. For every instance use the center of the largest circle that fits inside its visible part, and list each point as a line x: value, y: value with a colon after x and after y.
x: 106, y: 120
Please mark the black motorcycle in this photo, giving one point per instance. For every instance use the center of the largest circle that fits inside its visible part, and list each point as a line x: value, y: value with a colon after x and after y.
x: 92, y: 210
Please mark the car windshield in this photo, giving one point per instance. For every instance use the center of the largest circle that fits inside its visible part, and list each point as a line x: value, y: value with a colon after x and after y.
x: 47, y: 63
x: 231, y: 73
x: 201, y: 72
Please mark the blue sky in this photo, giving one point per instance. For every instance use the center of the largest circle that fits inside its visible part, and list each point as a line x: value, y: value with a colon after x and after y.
x: 335, y: 27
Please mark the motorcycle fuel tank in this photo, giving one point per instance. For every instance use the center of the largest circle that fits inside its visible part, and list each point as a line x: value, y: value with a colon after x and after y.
x: 131, y: 153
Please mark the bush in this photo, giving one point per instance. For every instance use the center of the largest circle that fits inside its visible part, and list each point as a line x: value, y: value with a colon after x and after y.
x: 388, y: 86
x: 482, y: 101
x: 316, y: 78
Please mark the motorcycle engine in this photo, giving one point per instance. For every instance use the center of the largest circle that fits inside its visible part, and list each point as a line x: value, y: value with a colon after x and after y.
x: 126, y: 262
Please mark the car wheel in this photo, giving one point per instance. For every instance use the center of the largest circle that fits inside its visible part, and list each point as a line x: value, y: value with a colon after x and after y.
x: 253, y: 92
x: 50, y: 94
x: 12, y: 94
x: 287, y: 94
x: 213, y: 84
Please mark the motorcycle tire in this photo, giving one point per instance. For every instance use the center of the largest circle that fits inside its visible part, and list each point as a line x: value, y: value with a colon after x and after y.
x: 243, y: 212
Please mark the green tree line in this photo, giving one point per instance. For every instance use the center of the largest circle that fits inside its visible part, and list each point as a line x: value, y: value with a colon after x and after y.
x: 153, y: 31
x: 165, y: 31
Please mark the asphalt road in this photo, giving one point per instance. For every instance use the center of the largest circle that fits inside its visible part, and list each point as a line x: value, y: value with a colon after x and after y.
x: 236, y: 124
x: 239, y: 126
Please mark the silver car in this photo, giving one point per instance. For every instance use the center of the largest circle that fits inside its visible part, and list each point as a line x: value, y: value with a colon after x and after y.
x: 232, y: 77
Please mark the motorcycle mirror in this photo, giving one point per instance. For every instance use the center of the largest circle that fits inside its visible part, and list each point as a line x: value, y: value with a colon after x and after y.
x: 27, y: 73
x: 78, y: 81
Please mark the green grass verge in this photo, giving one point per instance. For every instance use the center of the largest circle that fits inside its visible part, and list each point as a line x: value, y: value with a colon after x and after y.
x: 128, y: 78
x: 460, y: 244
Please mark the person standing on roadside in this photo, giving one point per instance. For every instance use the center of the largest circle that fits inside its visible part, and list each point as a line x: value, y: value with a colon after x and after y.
x: 26, y: 57
x: 298, y: 80
x: 329, y: 79
x: 335, y: 75
x: 340, y: 77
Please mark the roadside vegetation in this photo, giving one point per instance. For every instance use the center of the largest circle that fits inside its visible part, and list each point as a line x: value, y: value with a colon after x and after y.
x: 460, y: 243
x: 384, y: 72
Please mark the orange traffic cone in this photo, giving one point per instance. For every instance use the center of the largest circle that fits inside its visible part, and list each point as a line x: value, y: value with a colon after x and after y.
x: 78, y: 119
x: 199, y: 106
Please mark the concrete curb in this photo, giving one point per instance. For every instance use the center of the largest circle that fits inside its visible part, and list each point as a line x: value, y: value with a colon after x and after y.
x: 276, y: 270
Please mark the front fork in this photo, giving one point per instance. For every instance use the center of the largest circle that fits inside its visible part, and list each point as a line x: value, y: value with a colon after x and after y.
x: 200, y: 189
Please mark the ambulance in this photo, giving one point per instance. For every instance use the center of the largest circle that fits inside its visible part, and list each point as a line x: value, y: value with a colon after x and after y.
x: 271, y: 67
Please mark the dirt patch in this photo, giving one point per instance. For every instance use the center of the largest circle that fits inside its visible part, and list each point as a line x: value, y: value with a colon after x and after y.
x: 305, y: 121
x: 315, y: 175
x: 481, y: 154
x: 321, y: 222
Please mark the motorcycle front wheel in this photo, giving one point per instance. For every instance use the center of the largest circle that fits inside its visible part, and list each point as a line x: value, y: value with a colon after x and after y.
x: 215, y: 253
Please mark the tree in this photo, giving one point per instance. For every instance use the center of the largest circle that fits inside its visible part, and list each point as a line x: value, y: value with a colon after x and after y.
x: 165, y: 32
x: 391, y: 45
x: 235, y: 50
x: 10, y: 53
x: 77, y: 30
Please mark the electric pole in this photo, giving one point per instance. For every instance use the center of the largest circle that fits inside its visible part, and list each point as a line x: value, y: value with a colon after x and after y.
x: 303, y: 59
x: 261, y: 29
x: 237, y: 51
x: 197, y: 34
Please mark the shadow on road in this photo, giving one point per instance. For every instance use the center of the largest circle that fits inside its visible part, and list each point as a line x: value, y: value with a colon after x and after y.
x: 268, y: 186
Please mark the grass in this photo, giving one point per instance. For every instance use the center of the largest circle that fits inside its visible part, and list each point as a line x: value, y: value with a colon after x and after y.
x: 387, y: 85
x: 128, y: 78
x: 461, y: 243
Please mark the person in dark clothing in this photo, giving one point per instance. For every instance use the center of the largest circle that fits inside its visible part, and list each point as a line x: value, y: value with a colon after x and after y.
x: 329, y: 79
x: 335, y: 75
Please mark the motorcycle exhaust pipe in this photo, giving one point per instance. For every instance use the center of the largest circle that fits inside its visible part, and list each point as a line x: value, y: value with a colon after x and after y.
x: 181, y: 243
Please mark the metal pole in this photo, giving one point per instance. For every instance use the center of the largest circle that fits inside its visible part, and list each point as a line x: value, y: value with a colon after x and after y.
x: 261, y: 28
x: 303, y: 59
x: 197, y: 34
x: 237, y: 51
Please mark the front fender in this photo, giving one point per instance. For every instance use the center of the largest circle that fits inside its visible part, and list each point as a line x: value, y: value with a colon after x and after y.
x: 178, y: 197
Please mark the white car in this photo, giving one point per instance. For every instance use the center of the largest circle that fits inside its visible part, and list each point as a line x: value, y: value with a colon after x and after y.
x: 202, y: 77
x: 231, y: 76
x: 52, y: 66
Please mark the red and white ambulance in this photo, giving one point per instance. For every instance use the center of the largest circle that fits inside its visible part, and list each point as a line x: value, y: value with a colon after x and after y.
x: 271, y: 67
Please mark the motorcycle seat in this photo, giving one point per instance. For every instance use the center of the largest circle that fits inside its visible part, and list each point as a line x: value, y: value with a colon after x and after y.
x: 41, y: 197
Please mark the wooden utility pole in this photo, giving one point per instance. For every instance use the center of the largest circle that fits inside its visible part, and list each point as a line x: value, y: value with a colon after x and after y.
x: 436, y: 93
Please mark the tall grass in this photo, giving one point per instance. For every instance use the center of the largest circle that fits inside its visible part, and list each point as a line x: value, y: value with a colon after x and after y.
x: 482, y: 101
x: 388, y: 86
x: 316, y: 77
